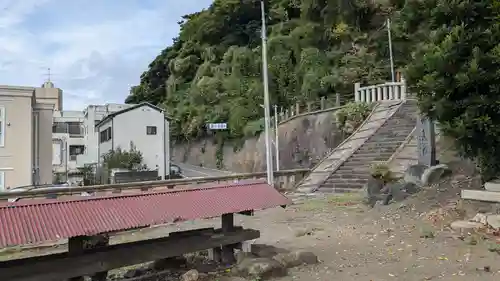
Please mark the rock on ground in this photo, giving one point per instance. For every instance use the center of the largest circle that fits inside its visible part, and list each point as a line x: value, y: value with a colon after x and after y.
x: 414, y: 174
x: 466, y: 226
x: 493, y: 221
x: 194, y: 275
x: 262, y: 268
x: 434, y: 174
x: 296, y: 258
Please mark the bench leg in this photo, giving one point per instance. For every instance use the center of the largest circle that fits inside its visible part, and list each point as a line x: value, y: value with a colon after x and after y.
x: 215, y: 254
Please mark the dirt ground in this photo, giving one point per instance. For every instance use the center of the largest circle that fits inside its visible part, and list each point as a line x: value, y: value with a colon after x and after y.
x: 355, y: 243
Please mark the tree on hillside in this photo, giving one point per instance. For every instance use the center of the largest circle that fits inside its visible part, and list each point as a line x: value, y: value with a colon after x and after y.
x: 212, y: 71
x: 456, y: 74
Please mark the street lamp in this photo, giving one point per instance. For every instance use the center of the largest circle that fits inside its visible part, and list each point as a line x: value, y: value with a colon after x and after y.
x: 267, y: 114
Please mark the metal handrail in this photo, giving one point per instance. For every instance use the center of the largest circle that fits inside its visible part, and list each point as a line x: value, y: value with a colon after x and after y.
x: 137, y: 185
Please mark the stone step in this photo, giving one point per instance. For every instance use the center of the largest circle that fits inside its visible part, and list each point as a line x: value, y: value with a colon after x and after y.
x: 381, y: 144
x: 365, y: 169
x: 400, y: 122
x: 389, y: 137
x: 339, y: 190
x: 360, y: 160
x: 341, y: 186
x: 398, y: 127
x: 378, y: 150
x: 378, y: 144
x: 371, y: 154
x: 366, y: 163
x: 394, y: 132
x: 364, y: 176
x: 338, y: 179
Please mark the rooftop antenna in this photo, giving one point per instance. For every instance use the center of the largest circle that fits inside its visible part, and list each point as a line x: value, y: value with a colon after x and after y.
x: 48, y: 83
x: 48, y: 74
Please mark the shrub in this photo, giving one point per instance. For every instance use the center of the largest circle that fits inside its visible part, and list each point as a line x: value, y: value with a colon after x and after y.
x: 456, y: 77
x: 349, y: 117
x: 381, y: 171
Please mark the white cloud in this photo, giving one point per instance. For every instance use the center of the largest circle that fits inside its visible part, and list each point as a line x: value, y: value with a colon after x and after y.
x: 13, y: 12
x: 96, y: 50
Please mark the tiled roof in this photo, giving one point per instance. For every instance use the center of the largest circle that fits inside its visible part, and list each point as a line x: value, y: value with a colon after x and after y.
x: 38, y: 221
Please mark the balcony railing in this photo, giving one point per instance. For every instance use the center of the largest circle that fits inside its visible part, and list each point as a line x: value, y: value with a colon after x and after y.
x: 74, y: 129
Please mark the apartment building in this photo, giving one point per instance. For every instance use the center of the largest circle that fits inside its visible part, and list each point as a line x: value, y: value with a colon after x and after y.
x: 92, y: 115
x: 143, y: 125
x: 67, y: 143
x: 25, y: 134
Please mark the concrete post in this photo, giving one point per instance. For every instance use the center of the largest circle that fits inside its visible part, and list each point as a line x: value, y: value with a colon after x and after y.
x: 297, y: 108
x: 403, y: 88
x: 337, y: 100
x: 357, y: 94
x: 322, y: 103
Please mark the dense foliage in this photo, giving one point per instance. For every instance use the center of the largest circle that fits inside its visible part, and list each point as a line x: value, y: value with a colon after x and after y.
x: 120, y: 158
x: 351, y: 116
x: 212, y: 71
x: 450, y: 48
x: 457, y: 74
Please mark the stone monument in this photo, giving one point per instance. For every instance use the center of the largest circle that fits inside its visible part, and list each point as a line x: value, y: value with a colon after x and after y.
x: 426, y: 141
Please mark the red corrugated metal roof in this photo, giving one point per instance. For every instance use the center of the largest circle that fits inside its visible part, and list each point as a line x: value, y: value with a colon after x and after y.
x: 49, y: 220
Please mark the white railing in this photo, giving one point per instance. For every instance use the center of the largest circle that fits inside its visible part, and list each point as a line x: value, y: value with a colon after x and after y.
x: 380, y: 92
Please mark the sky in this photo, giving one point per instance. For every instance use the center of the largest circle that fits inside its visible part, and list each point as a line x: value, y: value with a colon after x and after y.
x: 95, y: 49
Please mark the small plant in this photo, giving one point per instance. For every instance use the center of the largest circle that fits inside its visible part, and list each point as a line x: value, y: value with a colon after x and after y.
x: 350, y: 117
x: 427, y: 232
x: 382, y: 171
x: 254, y: 128
x: 471, y: 240
x: 494, y: 247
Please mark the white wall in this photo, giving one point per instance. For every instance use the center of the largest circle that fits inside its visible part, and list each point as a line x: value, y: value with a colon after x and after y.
x: 57, y: 152
x: 131, y: 126
x: 106, y: 146
x: 91, y: 114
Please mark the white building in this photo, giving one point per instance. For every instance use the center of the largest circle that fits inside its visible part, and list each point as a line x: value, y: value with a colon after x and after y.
x: 92, y: 115
x: 67, y: 143
x: 146, y: 127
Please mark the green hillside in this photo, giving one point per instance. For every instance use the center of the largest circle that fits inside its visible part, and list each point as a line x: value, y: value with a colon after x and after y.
x: 212, y: 72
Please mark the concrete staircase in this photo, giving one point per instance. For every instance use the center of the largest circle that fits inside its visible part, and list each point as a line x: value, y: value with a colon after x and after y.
x: 346, y: 169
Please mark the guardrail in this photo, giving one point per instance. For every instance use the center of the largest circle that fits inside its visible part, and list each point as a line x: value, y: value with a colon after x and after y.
x: 143, y: 185
x: 380, y: 92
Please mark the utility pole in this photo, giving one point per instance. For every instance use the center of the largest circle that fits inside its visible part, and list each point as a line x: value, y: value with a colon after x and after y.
x: 276, y: 138
x: 267, y: 115
x: 390, y: 48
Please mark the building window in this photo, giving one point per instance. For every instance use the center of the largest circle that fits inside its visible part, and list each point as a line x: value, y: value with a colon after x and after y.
x: 74, y: 129
x: 105, y: 135
x: 75, y: 150
x: 151, y: 130
x: 2, y: 181
x: 2, y: 126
